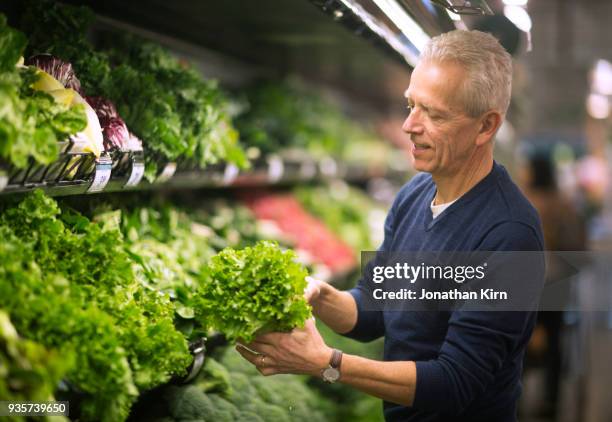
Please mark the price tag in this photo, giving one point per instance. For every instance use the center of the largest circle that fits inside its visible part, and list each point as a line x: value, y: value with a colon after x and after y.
x: 328, y: 167
x: 102, y: 175
x: 3, y: 180
x: 167, y: 173
x: 230, y: 174
x: 275, y: 168
x: 198, y: 350
x: 137, y: 172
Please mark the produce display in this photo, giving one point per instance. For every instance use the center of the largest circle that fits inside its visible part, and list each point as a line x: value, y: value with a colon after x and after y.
x: 280, y: 115
x: 32, y: 119
x: 347, y: 211
x: 138, y: 90
x: 28, y: 370
x: 230, y: 389
x: 169, y: 251
x: 84, y: 300
x: 109, y: 304
x: 163, y: 99
x: 307, y: 232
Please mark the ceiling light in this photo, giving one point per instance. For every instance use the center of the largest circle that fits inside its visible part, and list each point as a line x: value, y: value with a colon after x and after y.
x: 602, y: 77
x: 598, y: 106
x: 518, y: 16
x: 404, y: 22
x: 515, y: 2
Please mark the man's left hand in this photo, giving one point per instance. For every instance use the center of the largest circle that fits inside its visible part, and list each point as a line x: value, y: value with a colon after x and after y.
x: 301, y: 351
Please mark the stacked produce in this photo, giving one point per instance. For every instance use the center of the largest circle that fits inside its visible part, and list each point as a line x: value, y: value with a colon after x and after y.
x: 83, y: 300
x: 164, y: 102
x: 109, y: 306
x: 231, y: 389
x: 171, y: 250
x: 56, y: 78
x: 118, y: 292
x: 281, y: 115
x: 168, y: 252
x: 33, y: 118
x: 28, y: 371
x: 347, y: 211
x: 307, y: 232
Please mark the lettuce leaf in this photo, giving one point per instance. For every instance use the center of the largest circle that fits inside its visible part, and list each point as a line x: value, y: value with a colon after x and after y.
x: 253, y: 290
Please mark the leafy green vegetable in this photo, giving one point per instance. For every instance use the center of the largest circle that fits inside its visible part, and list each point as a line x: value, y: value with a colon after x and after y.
x: 31, y: 122
x: 176, y: 112
x: 196, y: 123
x: 282, y: 115
x: 249, y: 397
x: 82, y: 334
x: 168, y: 251
x: 61, y: 31
x: 84, y: 299
x: 255, y: 289
x: 28, y: 371
x: 170, y: 247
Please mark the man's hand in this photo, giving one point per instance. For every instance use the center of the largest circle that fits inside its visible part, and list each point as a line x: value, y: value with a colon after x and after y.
x: 302, y: 351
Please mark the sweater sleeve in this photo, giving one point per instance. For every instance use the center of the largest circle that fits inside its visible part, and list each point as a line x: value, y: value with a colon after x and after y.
x: 477, y: 343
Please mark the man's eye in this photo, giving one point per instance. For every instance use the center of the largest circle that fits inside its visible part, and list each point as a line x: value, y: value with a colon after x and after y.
x: 409, y: 108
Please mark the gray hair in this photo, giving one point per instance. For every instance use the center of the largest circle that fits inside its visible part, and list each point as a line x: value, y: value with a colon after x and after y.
x: 487, y: 63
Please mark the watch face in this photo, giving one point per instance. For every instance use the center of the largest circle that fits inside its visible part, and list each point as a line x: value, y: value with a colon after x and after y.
x: 331, y: 374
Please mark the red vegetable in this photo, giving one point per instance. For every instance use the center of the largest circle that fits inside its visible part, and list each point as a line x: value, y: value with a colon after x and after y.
x: 114, y: 129
x: 307, y: 232
x: 59, y: 69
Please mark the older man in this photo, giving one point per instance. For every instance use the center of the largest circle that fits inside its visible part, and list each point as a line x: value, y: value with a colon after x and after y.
x: 438, y: 366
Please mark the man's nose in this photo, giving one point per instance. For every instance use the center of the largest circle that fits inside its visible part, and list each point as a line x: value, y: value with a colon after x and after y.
x: 412, y: 124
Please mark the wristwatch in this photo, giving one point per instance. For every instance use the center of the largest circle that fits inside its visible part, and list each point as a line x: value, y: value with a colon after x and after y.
x: 331, y: 374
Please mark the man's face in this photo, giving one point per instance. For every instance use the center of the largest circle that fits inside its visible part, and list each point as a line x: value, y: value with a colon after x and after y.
x: 442, y: 134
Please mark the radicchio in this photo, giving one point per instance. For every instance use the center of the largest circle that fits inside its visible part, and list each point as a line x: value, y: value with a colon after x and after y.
x: 104, y: 108
x: 116, y: 135
x: 59, y: 69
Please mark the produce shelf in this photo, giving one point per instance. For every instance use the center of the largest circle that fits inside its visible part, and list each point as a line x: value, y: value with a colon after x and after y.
x: 81, y: 173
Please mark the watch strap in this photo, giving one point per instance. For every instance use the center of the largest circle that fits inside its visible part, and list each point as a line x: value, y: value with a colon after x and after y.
x: 336, y: 359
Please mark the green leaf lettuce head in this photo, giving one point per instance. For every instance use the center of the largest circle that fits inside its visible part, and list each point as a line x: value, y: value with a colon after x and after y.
x: 83, y: 298
x: 253, y: 290
x: 28, y: 371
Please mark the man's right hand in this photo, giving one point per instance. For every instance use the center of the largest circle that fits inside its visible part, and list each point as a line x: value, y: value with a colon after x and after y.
x: 313, y: 289
x: 335, y: 308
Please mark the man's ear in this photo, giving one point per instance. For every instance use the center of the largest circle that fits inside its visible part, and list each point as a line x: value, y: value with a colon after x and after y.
x: 489, y: 124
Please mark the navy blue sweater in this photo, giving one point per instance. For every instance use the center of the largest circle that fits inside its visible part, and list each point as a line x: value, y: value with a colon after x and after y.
x: 468, y: 363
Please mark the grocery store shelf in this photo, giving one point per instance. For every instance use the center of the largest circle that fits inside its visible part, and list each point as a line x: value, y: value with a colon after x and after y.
x: 77, y: 174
